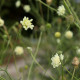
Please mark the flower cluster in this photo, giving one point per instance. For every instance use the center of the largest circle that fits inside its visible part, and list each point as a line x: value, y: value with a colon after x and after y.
x: 56, y: 60
x: 19, y: 50
x: 26, y: 23
x: 61, y: 10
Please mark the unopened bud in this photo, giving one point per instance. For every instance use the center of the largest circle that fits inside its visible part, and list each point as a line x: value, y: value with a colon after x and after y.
x: 49, y: 2
x: 57, y: 34
x: 75, y: 61
x: 48, y: 25
x: 70, y: 19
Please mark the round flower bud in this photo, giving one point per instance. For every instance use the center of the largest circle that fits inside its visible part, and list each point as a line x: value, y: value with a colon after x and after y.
x: 29, y: 48
x: 70, y: 19
x: 27, y: 8
x: 69, y: 34
x: 19, y: 50
x: 48, y: 25
x: 75, y: 61
x: 57, y: 34
x: 18, y: 3
x: 78, y: 51
x: 1, y: 22
x: 61, y: 57
x: 5, y: 36
x: 42, y: 28
x: 58, y: 41
x: 49, y: 2
x: 26, y: 67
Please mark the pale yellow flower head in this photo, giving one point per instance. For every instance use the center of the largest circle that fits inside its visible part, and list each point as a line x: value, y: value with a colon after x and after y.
x: 26, y: 23
x: 69, y: 34
x: 1, y: 22
x: 61, y: 10
x: 58, y: 41
x: 18, y: 3
x: 29, y: 48
x: 61, y: 57
x: 57, y: 34
x: 19, y: 50
x: 78, y: 51
x: 27, y: 8
x: 55, y: 61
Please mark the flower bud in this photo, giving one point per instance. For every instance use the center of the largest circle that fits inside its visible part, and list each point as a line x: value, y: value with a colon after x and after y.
x: 75, y: 61
x: 42, y: 28
x: 57, y: 34
x: 69, y: 34
x: 49, y: 2
x: 26, y: 67
x: 48, y: 25
x: 70, y: 19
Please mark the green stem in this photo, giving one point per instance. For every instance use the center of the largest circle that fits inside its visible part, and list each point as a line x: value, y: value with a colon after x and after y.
x: 72, y: 12
x: 35, y: 56
x: 76, y: 17
x: 73, y: 74
x: 6, y: 73
x: 70, y: 73
x: 47, y: 5
x: 62, y: 71
x: 67, y: 6
x: 40, y: 66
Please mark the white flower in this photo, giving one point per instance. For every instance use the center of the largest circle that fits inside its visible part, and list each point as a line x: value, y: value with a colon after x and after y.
x: 61, y: 10
x: 18, y: 3
x: 29, y: 48
x: 26, y: 23
x: 69, y: 34
x: 55, y: 61
x: 61, y: 57
x: 78, y: 51
x: 58, y: 41
x: 27, y: 8
x: 19, y: 50
x: 1, y: 22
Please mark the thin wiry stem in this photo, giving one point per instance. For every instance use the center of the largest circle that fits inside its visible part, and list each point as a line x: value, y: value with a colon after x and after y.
x: 53, y: 9
x: 73, y: 73
x: 40, y: 66
x: 35, y: 56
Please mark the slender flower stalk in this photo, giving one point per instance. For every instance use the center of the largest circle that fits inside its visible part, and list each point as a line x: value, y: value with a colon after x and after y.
x: 6, y: 73
x: 73, y: 73
x: 41, y: 66
x: 35, y: 56
x: 53, y: 9
x: 70, y: 73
